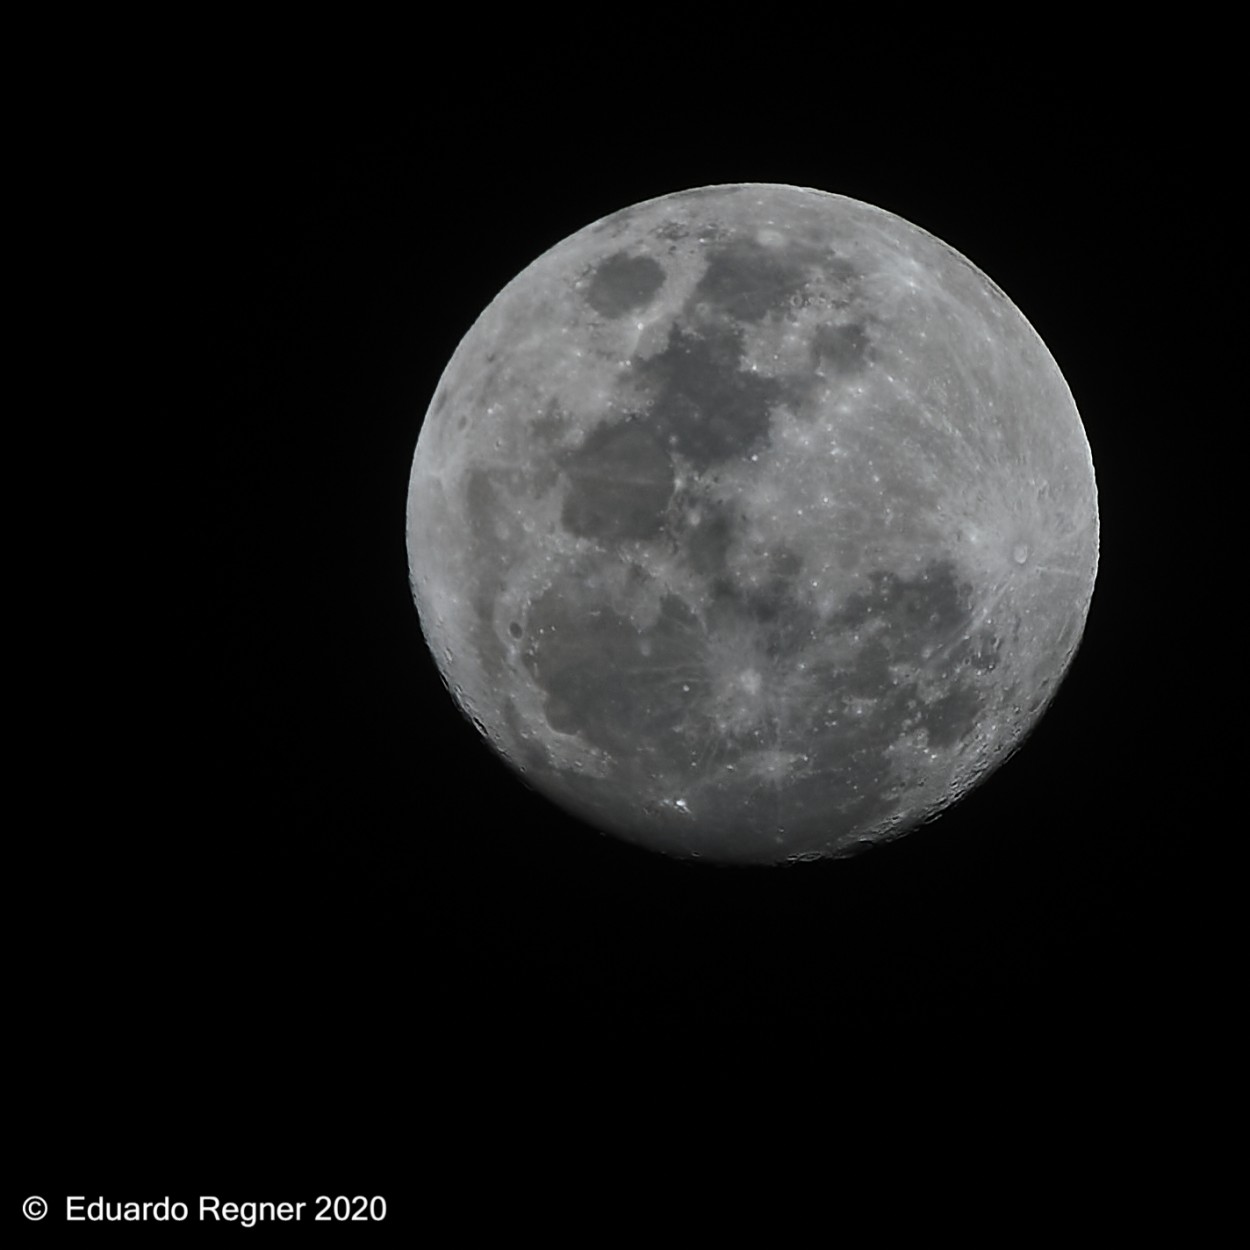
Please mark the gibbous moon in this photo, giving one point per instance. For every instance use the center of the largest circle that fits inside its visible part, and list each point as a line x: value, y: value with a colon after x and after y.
x: 752, y: 523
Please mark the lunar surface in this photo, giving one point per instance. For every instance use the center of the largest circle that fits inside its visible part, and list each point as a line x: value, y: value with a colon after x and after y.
x: 752, y: 523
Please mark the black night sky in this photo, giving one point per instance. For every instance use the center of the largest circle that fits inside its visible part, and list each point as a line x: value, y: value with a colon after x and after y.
x: 309, y: 918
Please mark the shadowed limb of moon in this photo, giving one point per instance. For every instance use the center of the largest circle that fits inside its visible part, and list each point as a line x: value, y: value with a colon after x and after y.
x: 752, y: 523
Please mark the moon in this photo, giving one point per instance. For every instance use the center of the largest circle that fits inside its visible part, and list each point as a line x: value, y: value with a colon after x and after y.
x: 752, y: 524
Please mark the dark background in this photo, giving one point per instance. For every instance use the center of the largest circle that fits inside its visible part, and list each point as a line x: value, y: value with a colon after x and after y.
x: 309, y: 926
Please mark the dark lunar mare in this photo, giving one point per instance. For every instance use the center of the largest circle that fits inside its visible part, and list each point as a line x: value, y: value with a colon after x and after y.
x: 624, y: 283
x: 647, y: 698
x: 746, y: 280
x: 620, y: 481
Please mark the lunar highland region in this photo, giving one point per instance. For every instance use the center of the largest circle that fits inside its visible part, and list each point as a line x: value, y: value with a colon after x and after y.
x: 753, y: 524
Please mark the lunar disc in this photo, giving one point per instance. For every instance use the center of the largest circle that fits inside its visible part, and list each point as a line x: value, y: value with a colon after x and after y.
x: 752, y: 523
